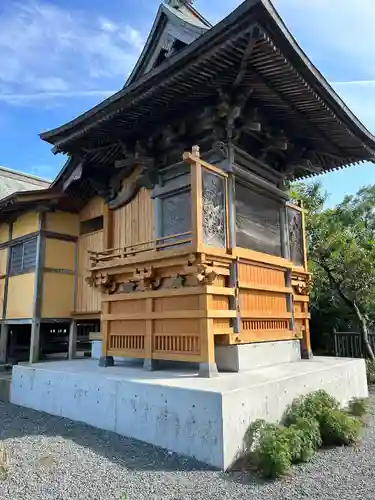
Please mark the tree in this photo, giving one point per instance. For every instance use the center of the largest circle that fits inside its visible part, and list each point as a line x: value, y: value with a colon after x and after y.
x: 341, y: 245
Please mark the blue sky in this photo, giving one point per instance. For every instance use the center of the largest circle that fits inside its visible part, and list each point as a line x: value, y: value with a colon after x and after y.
x: 58, y: 58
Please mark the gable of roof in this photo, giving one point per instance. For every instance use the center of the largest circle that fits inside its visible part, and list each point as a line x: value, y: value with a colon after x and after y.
x: 12, y: 181
x: 177, y: 24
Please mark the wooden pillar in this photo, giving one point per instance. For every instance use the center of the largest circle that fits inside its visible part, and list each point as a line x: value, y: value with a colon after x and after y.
x: 149, y: 363
x: 5, y: 328
x: 108, y: 226
x: 207, y: 367
x: 4, y: 342
x: 35, y: 341
x: 105, y: 360
x: 38, y: 289
x: 72, y: 348
x: 306, y: 350
x: 196, y: 201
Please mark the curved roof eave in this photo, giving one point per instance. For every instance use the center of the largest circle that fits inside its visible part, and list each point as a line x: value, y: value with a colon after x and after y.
x: 274, y: 25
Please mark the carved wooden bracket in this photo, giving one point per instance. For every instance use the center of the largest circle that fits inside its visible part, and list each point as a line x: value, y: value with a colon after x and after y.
x: 302, y: 286
x: 146, y: 279
x: 202, y: 273
x: 103, y: 281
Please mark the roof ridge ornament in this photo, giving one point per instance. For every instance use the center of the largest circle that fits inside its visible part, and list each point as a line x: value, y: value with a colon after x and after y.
x: 178, y: 3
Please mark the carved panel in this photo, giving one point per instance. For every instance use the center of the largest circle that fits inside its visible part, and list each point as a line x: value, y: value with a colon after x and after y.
x: 213, y: 205
x: 257, y: 221
x: 295, y: 236
x: 176, y: 214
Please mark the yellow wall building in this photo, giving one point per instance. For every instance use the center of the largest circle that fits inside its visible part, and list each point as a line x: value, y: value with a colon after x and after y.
x: 43, y: 261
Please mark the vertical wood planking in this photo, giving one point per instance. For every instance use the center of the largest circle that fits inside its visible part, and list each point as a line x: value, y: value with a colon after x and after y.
x: 134, y: 222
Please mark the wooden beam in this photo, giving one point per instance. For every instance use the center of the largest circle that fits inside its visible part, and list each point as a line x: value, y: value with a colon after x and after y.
x: 38, y: 293
x: 4, y: 327
x: 253, y: 38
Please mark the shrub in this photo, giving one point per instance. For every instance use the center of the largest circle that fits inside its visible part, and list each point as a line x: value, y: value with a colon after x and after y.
x: 310, y: 437
x: 358, y: 407
x: 339, y: 428
x: 273, y: 454
x: 276, y: 448
x: 312, y: 405
x: 370, y: 371
x: 310, y: 421
x: 253, y: 434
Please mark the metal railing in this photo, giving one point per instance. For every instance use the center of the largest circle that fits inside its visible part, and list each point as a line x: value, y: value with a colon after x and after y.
x: 350, y: 344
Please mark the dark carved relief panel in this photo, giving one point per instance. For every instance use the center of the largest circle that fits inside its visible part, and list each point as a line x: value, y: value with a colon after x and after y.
x: 176, y: 214
x: 257, y: 221
x: 295, y: 236
x: 213, y: 205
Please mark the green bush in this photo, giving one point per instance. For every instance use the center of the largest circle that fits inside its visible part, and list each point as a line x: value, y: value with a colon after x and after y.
x: 339, y: 428
x: 310, y: 437
x: 253, y: 433
x: 273, y: 456
x: 358, y: 407
x: 312, y: 405
x: 310, y: 421
x: 370, y: 371
x: 275, y: 448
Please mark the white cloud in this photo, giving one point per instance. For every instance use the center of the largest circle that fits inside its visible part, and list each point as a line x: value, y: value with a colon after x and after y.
x: 45, y: 49
x: 25, y: 99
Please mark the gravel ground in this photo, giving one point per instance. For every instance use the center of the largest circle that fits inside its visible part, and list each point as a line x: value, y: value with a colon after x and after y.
x: 53, y: 458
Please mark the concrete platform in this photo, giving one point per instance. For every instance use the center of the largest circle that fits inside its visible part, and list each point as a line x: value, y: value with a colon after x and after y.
x: 177, y: 410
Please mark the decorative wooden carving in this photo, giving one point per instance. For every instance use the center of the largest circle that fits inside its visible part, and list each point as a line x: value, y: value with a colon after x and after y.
x: 144, y: 278
x: 302, y: 286
x: 103, y: 281
x: 295, y: 236
x: 213, y: 205
x: 201, y: 274
x: 74, y: 176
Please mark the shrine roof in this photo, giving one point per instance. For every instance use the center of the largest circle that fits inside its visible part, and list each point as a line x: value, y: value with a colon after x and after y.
x: 285, y: 84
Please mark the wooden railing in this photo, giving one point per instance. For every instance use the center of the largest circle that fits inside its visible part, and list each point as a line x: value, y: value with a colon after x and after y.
x: 158, y: 244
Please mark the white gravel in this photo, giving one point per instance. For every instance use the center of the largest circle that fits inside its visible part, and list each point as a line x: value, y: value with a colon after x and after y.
x: 51, y: 459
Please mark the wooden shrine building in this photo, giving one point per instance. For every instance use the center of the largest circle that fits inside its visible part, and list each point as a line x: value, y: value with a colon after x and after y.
x: 183, y: 233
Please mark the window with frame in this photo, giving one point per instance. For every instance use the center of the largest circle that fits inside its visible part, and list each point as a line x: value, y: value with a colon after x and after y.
x: 23, y: 257
x: 91, y: 225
